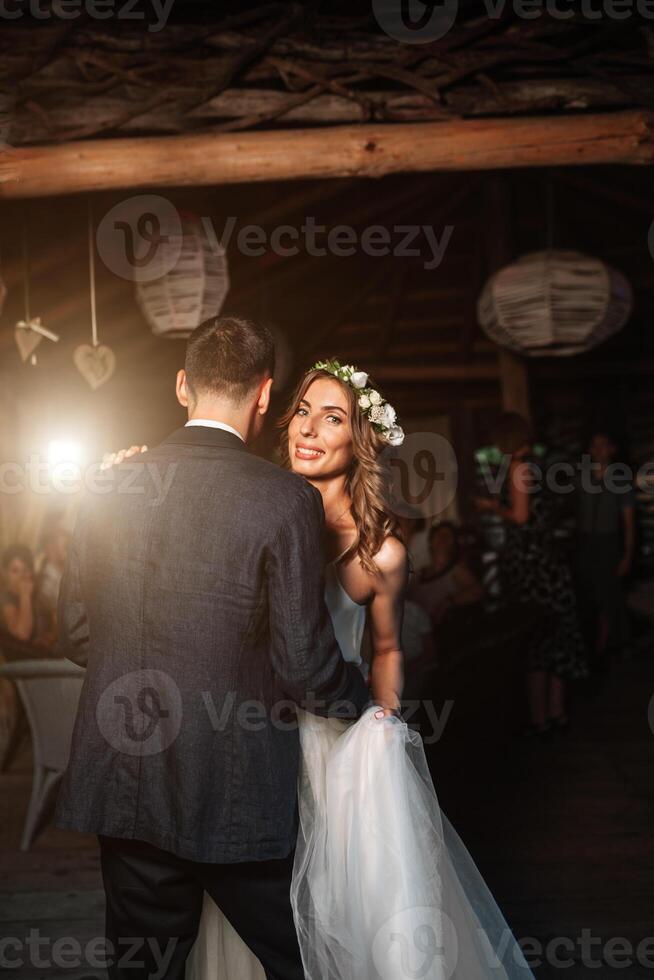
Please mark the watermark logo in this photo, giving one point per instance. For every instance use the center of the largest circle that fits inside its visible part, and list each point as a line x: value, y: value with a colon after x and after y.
x: 424, y: 475
x: 415, y: 22
x: 140, y: 239
x: 418, y: 943
x: 140, y: 713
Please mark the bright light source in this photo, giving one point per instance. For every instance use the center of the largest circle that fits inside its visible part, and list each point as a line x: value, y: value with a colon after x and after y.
x: 64, y: 451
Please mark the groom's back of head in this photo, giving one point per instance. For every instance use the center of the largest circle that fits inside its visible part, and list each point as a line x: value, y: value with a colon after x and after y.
x: 227, y: 357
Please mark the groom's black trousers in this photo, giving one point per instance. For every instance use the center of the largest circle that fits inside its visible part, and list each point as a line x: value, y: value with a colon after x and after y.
x: 154, y: 902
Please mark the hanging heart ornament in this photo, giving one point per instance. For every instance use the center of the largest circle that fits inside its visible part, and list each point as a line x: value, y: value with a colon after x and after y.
x: 95, y: 364
x: 26, y: 339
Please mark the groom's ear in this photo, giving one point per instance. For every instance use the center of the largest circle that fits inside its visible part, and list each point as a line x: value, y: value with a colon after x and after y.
x: 263, y: 402
x: 181, y: 388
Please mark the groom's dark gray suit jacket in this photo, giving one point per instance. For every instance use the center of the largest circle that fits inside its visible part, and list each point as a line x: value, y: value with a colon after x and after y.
x: 193, y: 596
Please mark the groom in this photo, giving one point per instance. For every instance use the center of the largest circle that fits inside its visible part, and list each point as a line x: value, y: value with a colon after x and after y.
x: 193, y: 595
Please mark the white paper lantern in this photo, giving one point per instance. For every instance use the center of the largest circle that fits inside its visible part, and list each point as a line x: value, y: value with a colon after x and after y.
x: 193, y: 284
x: 554, y: 303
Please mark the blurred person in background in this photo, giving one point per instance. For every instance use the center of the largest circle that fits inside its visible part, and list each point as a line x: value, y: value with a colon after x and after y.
x: 535, y: 572
x: 417, y: 639
x: 17, y: 613
x: 418, y: 647
x: 49, y: 581
x: 447, y: 583
x: 17, y: 622
x: 605, y: 548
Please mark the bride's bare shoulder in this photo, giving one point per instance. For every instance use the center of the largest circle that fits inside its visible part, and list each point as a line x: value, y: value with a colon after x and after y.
x: 392, y: 558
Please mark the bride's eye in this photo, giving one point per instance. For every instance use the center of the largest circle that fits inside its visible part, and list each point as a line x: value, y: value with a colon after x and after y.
x: 334, y: 418
x: 301, y: 411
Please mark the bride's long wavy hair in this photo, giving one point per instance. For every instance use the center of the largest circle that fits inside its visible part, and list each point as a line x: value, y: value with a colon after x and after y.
x: 366, y: 479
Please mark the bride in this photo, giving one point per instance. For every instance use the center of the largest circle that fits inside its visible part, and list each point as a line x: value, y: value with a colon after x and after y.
x: 382, y: 888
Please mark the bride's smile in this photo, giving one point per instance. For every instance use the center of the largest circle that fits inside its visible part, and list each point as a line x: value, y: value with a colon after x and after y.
x: 306, y: 452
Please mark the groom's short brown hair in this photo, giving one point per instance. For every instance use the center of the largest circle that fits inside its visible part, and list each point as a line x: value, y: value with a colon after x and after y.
x: 229, y: 356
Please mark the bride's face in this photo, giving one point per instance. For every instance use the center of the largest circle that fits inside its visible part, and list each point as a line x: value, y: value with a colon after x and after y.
x: 319, y: 434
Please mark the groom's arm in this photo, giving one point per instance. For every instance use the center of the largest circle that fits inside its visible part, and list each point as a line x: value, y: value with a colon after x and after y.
x: 306, y: 656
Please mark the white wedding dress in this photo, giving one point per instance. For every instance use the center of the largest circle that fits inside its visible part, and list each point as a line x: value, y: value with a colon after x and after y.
x: 383, y: 888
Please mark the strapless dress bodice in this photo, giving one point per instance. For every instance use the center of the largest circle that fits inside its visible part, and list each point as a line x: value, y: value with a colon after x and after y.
x: 348, y: 617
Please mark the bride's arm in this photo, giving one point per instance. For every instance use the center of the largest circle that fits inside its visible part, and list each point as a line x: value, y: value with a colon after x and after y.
x: 386, y: 608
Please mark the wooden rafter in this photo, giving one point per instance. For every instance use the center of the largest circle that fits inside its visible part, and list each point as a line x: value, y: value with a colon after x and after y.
x: 343, y: 151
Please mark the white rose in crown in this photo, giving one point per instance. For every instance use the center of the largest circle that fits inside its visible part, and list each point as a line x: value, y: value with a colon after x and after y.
x: 395, y: 436
x: 390, y: 415
x: 359, y: 379
x: 364, y: 402
x: 375, y: 398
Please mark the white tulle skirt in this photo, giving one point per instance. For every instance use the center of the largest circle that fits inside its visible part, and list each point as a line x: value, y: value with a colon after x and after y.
x: 383, y: 888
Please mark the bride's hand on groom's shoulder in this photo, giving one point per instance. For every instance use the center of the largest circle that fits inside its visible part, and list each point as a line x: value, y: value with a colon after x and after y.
x: 113, y: 459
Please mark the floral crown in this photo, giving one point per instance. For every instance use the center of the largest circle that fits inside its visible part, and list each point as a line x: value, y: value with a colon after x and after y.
x: 381, y: 415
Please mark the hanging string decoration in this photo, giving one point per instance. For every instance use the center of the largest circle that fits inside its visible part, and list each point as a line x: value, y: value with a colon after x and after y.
x: 95, y: 361
x: 195, y: 285
x: 554, y: 303
x: 29, y: 332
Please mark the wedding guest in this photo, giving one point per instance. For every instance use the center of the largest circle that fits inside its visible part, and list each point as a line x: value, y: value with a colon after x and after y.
x: 418, y: 647
x: 535, y: 573
x: 417, y: 636
x: 605, y: 547
x: 413, y: 527
x: 447, y: 582
x: 17, y: 616
x: 17, y: 619
x: 49, y: 581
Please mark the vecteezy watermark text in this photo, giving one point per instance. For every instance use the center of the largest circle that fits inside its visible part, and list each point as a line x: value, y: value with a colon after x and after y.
x: 565, y: 476
x: 141, y: 239
x: 401, y: 241
x: 68, y: 953
x: 141, y: 712
x: 95, y: 9
x: 415, y: 22
x: 40, y: 476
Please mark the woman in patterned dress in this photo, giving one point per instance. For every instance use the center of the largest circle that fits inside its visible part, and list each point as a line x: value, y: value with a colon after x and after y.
x: 536, y: 573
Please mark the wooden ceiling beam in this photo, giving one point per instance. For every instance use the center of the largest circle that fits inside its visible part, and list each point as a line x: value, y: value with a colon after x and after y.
x: 340, y: 151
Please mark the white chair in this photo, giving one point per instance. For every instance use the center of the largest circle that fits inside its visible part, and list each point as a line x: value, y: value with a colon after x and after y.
x: 50, y: 691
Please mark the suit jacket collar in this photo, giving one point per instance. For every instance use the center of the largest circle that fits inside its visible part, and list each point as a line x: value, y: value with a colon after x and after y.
x: 203, y: 435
